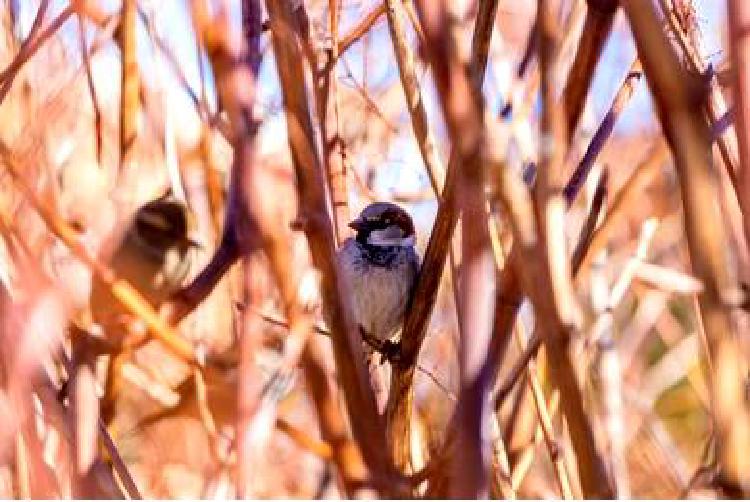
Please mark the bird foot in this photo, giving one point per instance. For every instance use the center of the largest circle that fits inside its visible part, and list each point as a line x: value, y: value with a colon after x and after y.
x: 390, y: 351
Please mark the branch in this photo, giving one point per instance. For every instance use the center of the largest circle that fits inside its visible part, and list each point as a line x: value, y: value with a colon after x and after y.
x: 328, y: 112
x: 546, y: 276
x: 587, y: 230
x: 415, y: 104
x: 588, y: 245
x: 117, y: 461
x: 509, y: 295
x: 544, y: 416
x: 679, y: 97
x: 687, y: 34
x: 596, y: 28
x: 317, y: 227
x: 425, y: 291
x: 463, y: 112
x: 739, y: 23
x: 92, y: 89
x: 630, y: 193
x: 36, y: 25
x: 30, y: 47
x: 360, y: 29
x: 129, y: 94
x: 603, y: 132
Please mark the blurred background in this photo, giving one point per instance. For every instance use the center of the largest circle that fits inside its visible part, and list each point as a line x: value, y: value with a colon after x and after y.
x: 175, y: 429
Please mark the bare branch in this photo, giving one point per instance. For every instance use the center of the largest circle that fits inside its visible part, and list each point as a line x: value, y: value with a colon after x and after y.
x: 412, y: 93
x: 425, y: 291
x: 317, y: 226
x: 679, y: 99
x: 463, y: 112
x: 129, y: 95
x: 596, y: 28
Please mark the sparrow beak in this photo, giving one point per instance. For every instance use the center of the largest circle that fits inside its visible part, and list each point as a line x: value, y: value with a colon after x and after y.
x: 191, y: 241
x: 357, y: 224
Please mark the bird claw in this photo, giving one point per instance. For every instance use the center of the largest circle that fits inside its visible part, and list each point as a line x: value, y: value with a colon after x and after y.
x: 390, y: 351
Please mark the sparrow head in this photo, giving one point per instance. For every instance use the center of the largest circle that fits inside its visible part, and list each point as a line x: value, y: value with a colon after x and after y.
x: 384, y: 224
x: 164, y: 224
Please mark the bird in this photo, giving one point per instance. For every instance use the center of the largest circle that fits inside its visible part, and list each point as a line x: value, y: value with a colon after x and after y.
x: 154, y: 256
x: 380, y: 265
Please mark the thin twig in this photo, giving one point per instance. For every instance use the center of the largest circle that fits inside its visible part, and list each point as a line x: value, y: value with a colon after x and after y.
x: 603, y: 132
x: 587, y: 231
x: 36, y: 25
x: 299, y: 436
x: 687, y: 35
x: 525, y: 457
x: 130, y: 85
x: 630, y: 193
x: 375, y: 343
x: 119, y: 464
x: 545, y: 421
x: 370, y: 103
x: 361, y: 28
x: 92, y: 90
x: 8, y: 75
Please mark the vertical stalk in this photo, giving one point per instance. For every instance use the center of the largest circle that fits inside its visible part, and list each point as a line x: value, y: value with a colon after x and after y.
x: 679, y: 98
x: 739, y: 24
x: 129, y: 98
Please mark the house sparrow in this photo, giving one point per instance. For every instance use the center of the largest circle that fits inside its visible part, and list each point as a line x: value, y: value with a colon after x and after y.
x: 380, y: 265
x: 154, y: 256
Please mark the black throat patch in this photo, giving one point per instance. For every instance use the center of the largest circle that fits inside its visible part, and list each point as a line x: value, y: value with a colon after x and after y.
x: 381, y: 256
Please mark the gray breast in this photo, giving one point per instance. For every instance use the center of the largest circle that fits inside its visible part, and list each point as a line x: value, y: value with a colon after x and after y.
x: 380, y: 288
